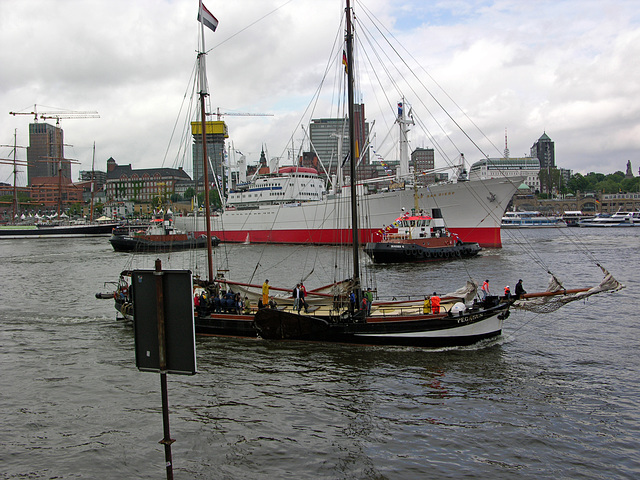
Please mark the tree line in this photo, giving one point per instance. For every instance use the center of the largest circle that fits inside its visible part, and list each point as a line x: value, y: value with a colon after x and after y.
x: 590, y: 183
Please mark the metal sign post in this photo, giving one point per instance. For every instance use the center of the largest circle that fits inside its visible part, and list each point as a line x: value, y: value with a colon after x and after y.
x: 164, y: 332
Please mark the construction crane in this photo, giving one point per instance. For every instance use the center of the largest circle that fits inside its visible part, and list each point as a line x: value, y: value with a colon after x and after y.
x: 57, y: 115
x: 70, y: 115
x: 220, y: 114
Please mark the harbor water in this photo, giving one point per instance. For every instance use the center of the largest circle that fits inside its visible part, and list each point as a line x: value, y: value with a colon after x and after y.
x: 556, y: 396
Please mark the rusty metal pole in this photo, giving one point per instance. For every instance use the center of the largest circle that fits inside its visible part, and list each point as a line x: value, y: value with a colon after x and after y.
x: 162, y: 356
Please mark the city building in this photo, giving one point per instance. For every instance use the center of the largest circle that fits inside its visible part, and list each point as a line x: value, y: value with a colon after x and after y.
x: 423, y: 159
x: 126, y: 184
x: 544, y: 150
x: 626, y: 202
x: 216, y: 134
x: 324, y: 134
x: 527, y: 167
x: 45, y: 153
x: 99, y: 178
x: 52, y: 192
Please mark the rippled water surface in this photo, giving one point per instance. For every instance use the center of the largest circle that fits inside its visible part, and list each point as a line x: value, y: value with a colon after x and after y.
x: 555, y: 397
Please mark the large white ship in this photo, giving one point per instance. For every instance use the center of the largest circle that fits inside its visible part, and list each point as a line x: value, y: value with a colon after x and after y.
x: 293, y: 206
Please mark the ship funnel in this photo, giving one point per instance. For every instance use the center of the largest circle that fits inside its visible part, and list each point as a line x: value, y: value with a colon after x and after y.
x: 436, y: 213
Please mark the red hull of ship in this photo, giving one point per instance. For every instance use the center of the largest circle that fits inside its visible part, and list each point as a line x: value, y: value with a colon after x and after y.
x: 486, y: 237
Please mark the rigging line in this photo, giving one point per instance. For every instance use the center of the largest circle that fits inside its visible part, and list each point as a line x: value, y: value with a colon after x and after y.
x: 249, y: 26
x: 433, y: 96
x: 530, y: 251
x: 575, y: 240
x: 446, y: 112
x: 313, y: 102
x: 381, y: 63
x: 432, y: 115
x: 370, y: 14
x: 371, y: 39
x: 316, y: 96
x: 184, y: 97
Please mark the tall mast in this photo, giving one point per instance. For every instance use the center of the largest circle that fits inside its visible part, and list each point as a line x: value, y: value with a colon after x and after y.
x: 15, y: 176
x: 59, y: 185
x: 93, y: 180
x: 203, y: 121
x: 403, y: 125
x: 352, y: 149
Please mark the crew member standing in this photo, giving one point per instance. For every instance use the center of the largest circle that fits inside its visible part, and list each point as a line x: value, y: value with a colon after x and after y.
x: 265, y: 293
x: 485, y: 290
x: 435, y: 303
x: 296, y: 298
x: 303, y: 298
x: 426, y: 308
x: 519, y: 289
x: 369, y: 295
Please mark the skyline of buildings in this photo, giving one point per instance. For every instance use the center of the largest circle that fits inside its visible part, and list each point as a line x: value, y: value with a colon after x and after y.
x: 45, y: 154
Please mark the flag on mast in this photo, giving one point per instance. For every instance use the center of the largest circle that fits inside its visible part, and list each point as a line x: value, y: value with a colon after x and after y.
x: 207, y: 18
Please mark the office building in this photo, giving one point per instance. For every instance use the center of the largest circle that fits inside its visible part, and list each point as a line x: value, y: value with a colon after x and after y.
x: 45, y: 153
x: 527, y: 167
x: 216, y: 132
x: 544, y: 150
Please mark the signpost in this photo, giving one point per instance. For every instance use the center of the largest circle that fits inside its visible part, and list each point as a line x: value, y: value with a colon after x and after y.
x: 164, y: 331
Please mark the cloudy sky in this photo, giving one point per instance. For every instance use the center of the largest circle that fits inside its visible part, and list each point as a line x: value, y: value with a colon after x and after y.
x: 568, y: 68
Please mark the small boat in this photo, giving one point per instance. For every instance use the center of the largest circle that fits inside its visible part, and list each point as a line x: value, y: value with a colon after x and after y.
x: 530, y: 220
x: 160, y: 236
x: 419, y: 238
x: 618, y: 219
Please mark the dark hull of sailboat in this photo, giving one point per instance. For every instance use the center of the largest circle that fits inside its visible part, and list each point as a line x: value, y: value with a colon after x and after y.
x: 226, y: 324
x: 429, y: 330
x: 131, y: 244
x: 58, y: 230
x: 384, y: 252
x: 215, y: 324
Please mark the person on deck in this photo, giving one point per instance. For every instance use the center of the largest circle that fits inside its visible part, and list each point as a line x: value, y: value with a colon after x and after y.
x: 303, y: 296
x: 485, y: 290
x: 247, y: 306
x: 426, y: 308
x: 507, y: 292
x: 352, y: 302
x: 519, y: 290
x: 435, y: 303
x: 369, y: 295
x: 296, y: 298
x: 265, y: 292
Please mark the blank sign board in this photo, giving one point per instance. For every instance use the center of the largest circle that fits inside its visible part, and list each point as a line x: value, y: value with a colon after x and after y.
x: 177, y: 293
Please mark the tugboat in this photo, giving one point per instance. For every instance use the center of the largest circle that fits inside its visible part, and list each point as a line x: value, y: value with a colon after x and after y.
x: 160, y: 236
x: 419, y: 238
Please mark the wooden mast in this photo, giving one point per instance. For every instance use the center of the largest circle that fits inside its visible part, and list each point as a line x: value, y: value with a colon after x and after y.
x: 205, y: 160
x: 15, y: 177
x: 93, y: 180
x: 352, y: 152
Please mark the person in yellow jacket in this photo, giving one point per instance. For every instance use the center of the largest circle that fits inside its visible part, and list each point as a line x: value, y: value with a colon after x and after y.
x: 265, y: 293
x: 426, y: 308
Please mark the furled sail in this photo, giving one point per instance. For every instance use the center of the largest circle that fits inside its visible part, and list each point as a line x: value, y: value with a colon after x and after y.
x: 556, y: 295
